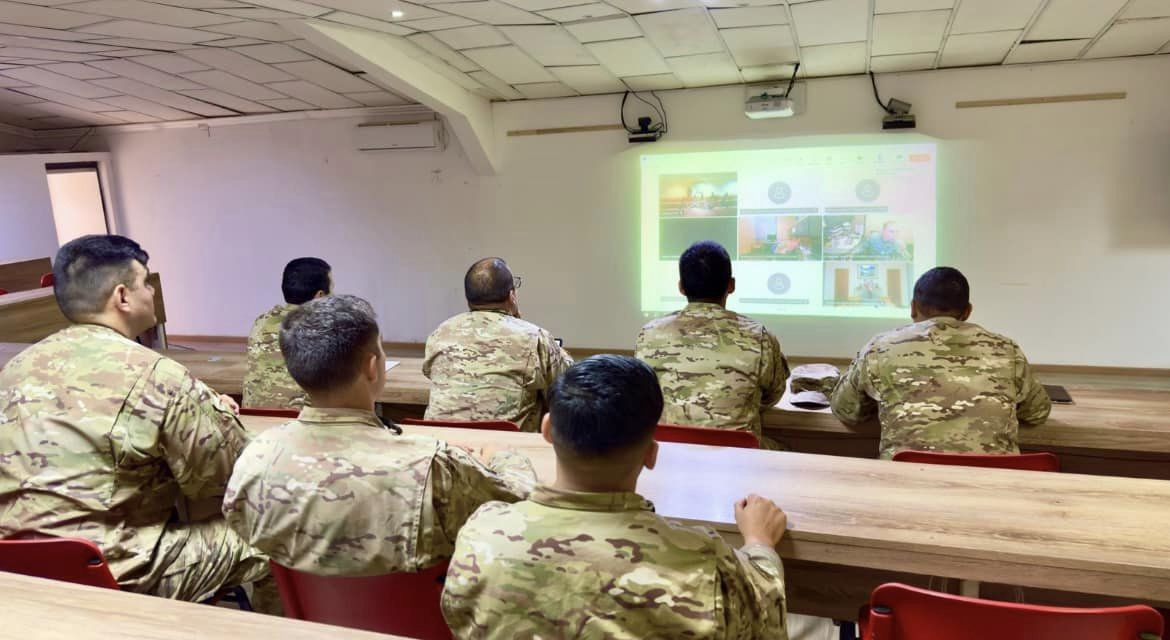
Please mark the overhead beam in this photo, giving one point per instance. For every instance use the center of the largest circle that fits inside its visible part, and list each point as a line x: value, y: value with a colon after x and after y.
x: 399, y: 66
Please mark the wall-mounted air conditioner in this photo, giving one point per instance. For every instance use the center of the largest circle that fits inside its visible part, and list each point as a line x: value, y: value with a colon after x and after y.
x: 386, y: 136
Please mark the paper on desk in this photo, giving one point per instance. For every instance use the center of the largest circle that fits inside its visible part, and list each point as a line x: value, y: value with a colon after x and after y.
x: 390, y: 364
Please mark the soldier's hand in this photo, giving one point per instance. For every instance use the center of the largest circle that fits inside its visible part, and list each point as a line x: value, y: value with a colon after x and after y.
x: 760, y: 520
x: 235, y: 407
x: 483, y: 453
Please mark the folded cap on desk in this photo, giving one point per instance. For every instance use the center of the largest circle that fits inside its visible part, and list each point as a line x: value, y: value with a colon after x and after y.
x: 811, y: 385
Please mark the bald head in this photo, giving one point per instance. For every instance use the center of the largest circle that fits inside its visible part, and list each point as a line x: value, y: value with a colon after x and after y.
x: 488, y: 283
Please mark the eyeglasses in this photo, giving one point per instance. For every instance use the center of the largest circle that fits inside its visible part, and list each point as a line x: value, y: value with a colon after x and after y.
x: 517, y: 281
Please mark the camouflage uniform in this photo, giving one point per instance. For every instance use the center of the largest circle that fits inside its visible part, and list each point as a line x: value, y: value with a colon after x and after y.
x: 604, y: 565
x: 942, y: 385
x: 267, y: 382
x: 717, y: 368
x: 488, y: 365
x: 102, y: 439
x: 337, y: 493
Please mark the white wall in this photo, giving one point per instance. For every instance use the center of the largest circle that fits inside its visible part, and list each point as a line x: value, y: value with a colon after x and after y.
x: 1058, y: 213
x: 26, y: 216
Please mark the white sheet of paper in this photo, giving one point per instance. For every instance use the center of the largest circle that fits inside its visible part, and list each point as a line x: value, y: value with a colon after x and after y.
x: 390, y: 364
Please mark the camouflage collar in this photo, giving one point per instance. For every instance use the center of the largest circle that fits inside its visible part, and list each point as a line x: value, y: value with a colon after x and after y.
x: 704, y: 309
x: 586, y: 501
x: 315, y: 415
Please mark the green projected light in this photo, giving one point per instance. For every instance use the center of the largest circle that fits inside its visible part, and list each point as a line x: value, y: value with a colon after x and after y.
x: 837, y: 231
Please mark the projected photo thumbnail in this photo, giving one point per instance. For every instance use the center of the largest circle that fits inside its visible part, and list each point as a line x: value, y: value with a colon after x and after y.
x: 697, y: 195
x: 868, y: 237
x: 869, y: 284
x: 675, y: 235
x: 774, y: 237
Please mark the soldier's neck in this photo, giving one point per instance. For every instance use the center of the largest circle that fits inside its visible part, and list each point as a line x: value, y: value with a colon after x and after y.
x: 568, y: 480
x: 116, y: 323
x: 358, y: 399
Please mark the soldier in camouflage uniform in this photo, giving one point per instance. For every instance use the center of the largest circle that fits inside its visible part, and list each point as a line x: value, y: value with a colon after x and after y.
x: 267, y: 383
x: 102, y: 438
x: 337, y: 492
x: 587, y: 557
x: 717, y: 368
x: 942, y: 383
x: 487, y: 363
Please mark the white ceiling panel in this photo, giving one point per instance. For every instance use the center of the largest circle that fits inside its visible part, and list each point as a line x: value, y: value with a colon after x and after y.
x: 683, y: 32
x: 314, y: 95
x: 606, y: 29
x: 1063, y: 19
x: 292, y: 6
x: 656, y: 82
x: 705, y: 70
x: 545, y: 90
x: 154, y: 94
x: 581, y: 12
x: 972, y: 49
x: 228, y: 101
x: 257, y: 30
x: 327, y: 75
x: 46, y: 54
x: 53, y: 45
x: 510, y: 64
x: 238, y: 64
x: 756, y: 46
x: 1146, y: 9
x: 444, y: 22
x: 131, y: 117
x: 1027, y: 52
x: 549, y: 45
x: 994, y: 15
x: 495, y: 84
x: 355, y: 20
x: 33, y: 16
x: 126, y: 53
x: 81, y: 115
x: 148, y: 31
x: 143, y: 73
x: 319, y: 53
x: 151, y: 12
x: 382, y: 9
x: 139, y: 43
x: 377, y: 98
x: 272, y: 53
x: 8, y: 96
x: 833, y: 59
x: 727, y: 4
x: 41, y: 77
x: 231, y: 42
x: 491, y: 12
x: 204, y: 4
x: 148, y: 107
x: 472, y: 37
x: 258, y: 13
x: 289, y: 104
x: 452, y: 57
x: 900, y: 6
x: 171, y: 63
x: 649, y: 6
x: 914, y: 32
x: 633, y: 57
x: 1135, y: 38
x: 831, y: 21
x: 903, y: 62
x: 767, y: 72
x: 78, y: 70
x: 232, y: 84
x: 589, y: 79
x: 37, y: 32
x: 749, y: 16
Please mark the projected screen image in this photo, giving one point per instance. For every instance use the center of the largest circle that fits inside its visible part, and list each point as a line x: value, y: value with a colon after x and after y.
x: 816, y: 231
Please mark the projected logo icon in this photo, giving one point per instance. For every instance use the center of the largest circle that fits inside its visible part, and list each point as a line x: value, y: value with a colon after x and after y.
x: 779, y: 283
x: 779, y: 192
x: 868, y: 190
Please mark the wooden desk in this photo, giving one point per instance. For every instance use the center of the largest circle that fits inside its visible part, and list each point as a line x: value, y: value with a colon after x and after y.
x: 23, y: 275
x: 50, y: 610
x: 849, y: 517
x: 28, y: 316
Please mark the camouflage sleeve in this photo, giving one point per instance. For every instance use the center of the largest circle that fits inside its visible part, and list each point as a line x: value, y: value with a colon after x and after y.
x: 555, y: 360
x: 850, y: 402
x: 1034, y: 405
x: 751, y: 582
x: 460, y: 484
x: 774, y: 371
x: 201, y: 437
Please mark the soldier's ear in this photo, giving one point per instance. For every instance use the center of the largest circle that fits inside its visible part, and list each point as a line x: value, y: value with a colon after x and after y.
x: 731, y: 286
x: 680, y: 288
x: 651, y: 458
x: 967, y: 313
x: 546, y: 428
x: 121, y: 303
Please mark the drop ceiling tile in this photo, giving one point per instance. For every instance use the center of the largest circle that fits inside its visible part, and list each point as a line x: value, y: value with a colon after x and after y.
x: 10, y: 97
x: 1136, y: 38
x: 1165, y: 49
x: 914, y: 32
x: 383, y: 9
x: 289, y: 104
x: 755, y: 46
x: 44, y: 17
x: 238, y: 64
x: 131, y: 117
x: 145, y: 30
x: 231, y: 42
x: 137, y: 43
x: 656, y: 82
x: 766, y: 72
x: 970, y: 49
x: 607, y: 29
x: 143, y: 73
x: 833, y: 59
x: 550, y: 45
x: 61, y: 97
x: 472, y: 37
x: 77, y: 114
x: 545, y: 90
x: 1146, y: 9
x: 901, y: 6
x: 41, y: 77
x: 495, y: 84
x: 126, y: 53
x: 1066, y: 19
x: 510, y: 64
x: 491, y: 12
x: 326, y: 75
x: 728, y: 4
x: 228, y: 101
x: 902, y: 62
x: 633, y: 57
x: 47, y: 55
x: 204, y: 4
x: 377, y: 98
x: 256, y: 29
x: 36, y: 32
x: 257, y: 13
x: 154, y: 94
x: 705, y: 70
x: 581, y: 12
x: 53, y: 45
x: 10, y: 82
x: 78, y: 71
x: 321, y: 54
x: 1027, y: 52
x: 432, y: 44
x: 682, y: 32
x: 233, y: 84
x: 314, y: 95
x: 749, y: 16
x: 993, y: 15
x: 23, y: 62
x: 148, y: 107
x: 649, y: 6
x: 56, y: 122
x: 831, y: 21
x: 445, y: 22
x: 589, y: 79
x: 292, y: 6
x: 150, y: 12
x: 541, y: 5
x: 354, y: 20
x: 451, y: 73
x: 272, y: 53
x: 171, y: 63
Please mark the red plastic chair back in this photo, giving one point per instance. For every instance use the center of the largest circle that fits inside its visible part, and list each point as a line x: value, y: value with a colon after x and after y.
x: 487, y: 425
x: 47, y: 280
x: 900, y: 612
x: 1025, y: 461
x: 269, y: 413
x: 708, y: 436
x: 405, y: 604
x: 66, y: 559
x: 3, y: 291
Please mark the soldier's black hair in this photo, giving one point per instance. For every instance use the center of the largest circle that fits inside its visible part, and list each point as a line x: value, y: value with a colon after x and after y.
x: 705, y: 271
x: 604, y: 405
x: 87, y: 269
x: 488, y: 281
x: 325, y: 341
x: 942, y: 290
x: 303, y: 278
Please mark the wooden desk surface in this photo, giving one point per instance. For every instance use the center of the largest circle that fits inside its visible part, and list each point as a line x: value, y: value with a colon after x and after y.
x: 24, y: 275
x: 28, y: 316
x: 50, y: 610
x: 1073, y: 532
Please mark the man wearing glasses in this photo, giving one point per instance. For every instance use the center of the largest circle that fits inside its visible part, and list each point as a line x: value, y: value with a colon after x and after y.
x: 487, y: 363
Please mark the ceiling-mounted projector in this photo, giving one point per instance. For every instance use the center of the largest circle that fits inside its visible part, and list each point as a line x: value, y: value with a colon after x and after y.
x: 766, y: 105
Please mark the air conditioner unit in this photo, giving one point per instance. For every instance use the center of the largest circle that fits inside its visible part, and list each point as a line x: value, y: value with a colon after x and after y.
x: 386, y: 136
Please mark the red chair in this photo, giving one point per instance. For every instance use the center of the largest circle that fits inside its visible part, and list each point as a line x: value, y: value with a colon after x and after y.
x: 269, y: 413
x: 65, y: 559
x: 1025, y: 461
x: 47, y: 280
x: 703, y: 435
x: 3, y: 291
x: 900, y: 612
x: 405, y: 604
x: 486, y: 425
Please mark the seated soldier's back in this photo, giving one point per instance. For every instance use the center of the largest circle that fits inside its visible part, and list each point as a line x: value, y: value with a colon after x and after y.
x: 267, y: 382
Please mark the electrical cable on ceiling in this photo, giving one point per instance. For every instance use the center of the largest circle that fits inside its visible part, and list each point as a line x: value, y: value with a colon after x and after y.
x: 873, y: 81
x: 665, y: 126
x: 661, y: 126
x: 792, y: 80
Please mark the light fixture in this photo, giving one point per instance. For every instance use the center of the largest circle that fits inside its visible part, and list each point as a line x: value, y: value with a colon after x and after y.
x: 396, y: 14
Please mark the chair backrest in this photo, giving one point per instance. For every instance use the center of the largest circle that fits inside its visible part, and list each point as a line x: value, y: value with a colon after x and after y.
x: 269, y: 413
x: 900, y: 612
x: 704, y: 435
x: 3, y: 291
x: 47, y: 279
x: 1025, y: 461
x: 487, y: 425
x: 66, y: 559
x: 405, y: 604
